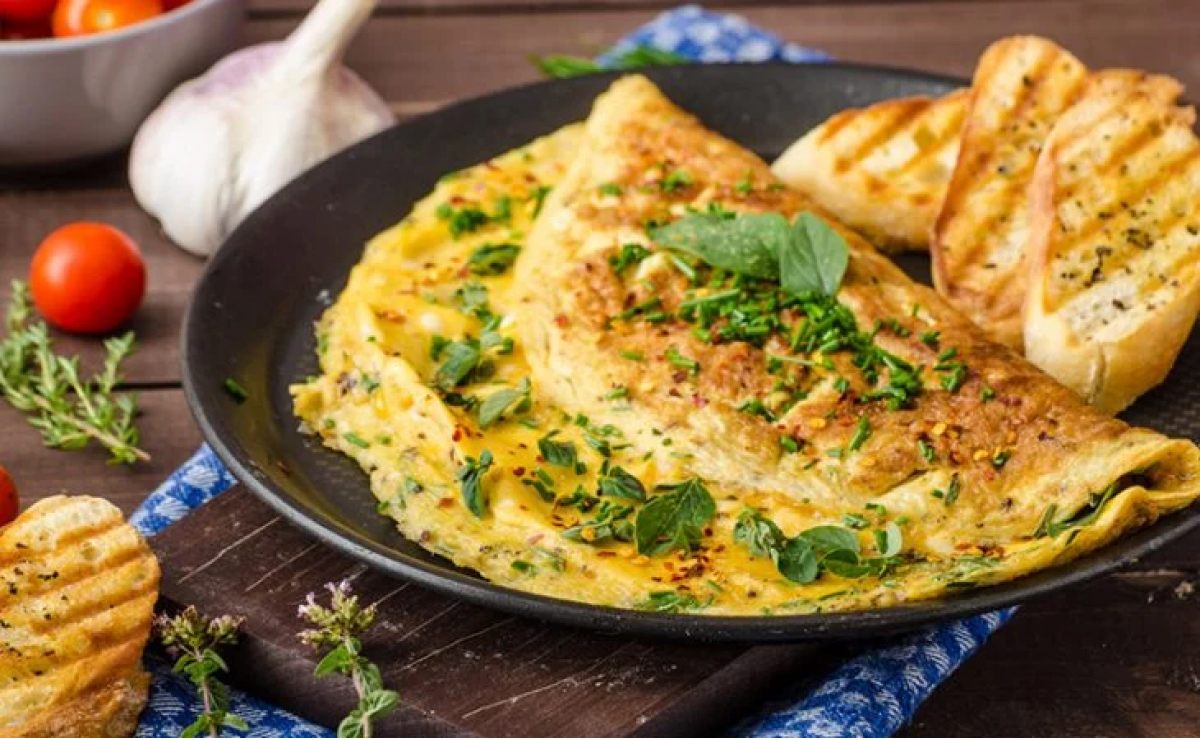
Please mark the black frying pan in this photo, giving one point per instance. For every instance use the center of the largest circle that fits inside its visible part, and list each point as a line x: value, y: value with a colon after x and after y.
x: 252, y: 314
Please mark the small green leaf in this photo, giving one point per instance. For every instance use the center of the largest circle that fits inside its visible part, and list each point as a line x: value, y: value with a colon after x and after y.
x: 492, y: 259
x: 197, y: 728
x: 380, y: 701
x: 236, y: 722
x: 828, y: 538
x: 845, y: 564
x: 620, y: 483
x: 815, y: 259
x: 675, y: 519
x: 748, y: 245
x: 761, y: 536
x: 797, y: 561
x: 461, y: 360
x: 562, y: 454
x: 352, y: 725
x: 503, y: 401
x: 470, y: 477
x: 335, y: 661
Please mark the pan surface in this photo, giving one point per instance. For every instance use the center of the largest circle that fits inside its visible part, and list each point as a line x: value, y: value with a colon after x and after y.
x: 251, y: 318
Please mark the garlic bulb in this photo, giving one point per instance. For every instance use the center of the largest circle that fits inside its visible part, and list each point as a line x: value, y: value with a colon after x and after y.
x: 221, y: 144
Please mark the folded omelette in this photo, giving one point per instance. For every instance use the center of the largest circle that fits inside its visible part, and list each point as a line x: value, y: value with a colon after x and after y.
x: 579, y: 370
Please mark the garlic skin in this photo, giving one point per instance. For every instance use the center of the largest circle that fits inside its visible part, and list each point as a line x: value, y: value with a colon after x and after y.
x: 221, y: 144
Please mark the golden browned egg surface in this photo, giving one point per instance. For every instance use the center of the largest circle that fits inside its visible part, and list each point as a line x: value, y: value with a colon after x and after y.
x: 542, y: 393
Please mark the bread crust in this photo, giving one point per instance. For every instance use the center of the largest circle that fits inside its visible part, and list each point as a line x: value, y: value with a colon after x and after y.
x: 1107, y: 185
x: 76, y: 608
x: 882, y: 170
x: 1022, y: 84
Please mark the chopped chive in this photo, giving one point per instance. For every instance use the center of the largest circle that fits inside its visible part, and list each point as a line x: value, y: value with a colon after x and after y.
x: 235, y: 390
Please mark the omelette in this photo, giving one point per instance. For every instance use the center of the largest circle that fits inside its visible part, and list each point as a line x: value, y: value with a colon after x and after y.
x: 624, y: 365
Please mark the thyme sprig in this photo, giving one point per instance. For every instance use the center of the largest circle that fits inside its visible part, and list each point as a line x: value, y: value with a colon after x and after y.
x: 196, y: 639
x: 68, y: 410
x: 337, y: 628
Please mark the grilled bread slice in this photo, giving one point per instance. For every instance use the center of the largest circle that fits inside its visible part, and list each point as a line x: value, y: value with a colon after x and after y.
x: 77, y: 593
x: 1021, y: 86
x: 1114, y: 279
x: 883, y: 170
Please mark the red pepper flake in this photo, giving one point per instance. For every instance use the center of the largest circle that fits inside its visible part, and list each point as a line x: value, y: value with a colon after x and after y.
x: 679, y: 377
x: 445, y: 503
x: 458, y: 434
x: 561, y: 321
x: 699, y: 401
x: 519, y: 471
x: 389, y: 314
x: 606, y: 554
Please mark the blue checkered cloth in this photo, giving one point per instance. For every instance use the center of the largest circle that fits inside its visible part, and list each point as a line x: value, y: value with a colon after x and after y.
x: 872, y: 694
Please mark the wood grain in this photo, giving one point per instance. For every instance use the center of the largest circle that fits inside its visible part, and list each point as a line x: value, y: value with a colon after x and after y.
x: 1117, y: 656
x: 477, y: 54
x: 26, y: 217
x: 461, y: 669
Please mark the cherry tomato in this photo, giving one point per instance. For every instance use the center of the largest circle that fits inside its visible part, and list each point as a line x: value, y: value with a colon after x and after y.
x: 8, y: 497
x: 18, y: 30
x: 87, y: 278
x: 82, y: 17
x: 173, y: 4
x: 26, y: 10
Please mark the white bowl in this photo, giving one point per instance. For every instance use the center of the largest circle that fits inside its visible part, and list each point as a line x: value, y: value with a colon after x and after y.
x: 72, y: 99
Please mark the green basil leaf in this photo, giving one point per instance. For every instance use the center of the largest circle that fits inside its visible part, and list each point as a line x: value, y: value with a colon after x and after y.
x: 760, y: 535
x: 492, y: 259
x: 461, y: 360
x: 845, y: 563
x: 620, y: 483
x: 675, y: 519
x: 797, y: 561
x: 748, y: 245
x: 828, y: 538
x: 500, y: 402
x: 557, y: 453
x: 470, y: 477
x: 816, y: 258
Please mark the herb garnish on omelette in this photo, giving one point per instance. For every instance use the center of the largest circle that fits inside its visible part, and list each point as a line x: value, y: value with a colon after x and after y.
x: 623, y: 365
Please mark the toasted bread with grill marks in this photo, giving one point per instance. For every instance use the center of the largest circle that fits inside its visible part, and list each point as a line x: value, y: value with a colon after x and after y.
x: 77, y: 593
x: 1114, y: 274
x: 1021, y: 86
x: 883, y: 170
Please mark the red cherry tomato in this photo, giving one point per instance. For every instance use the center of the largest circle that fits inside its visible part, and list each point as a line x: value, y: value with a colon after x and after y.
x: 173, y: 4
x: 8, y: 498
x: 87, y: 278
x: 82, y: 17
x: 26, y: 10
x: 18, y: 30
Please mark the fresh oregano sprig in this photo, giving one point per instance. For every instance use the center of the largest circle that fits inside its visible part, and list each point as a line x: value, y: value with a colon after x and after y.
x: 196, y: 639
x: 337, y: 628
x: 68, y: 410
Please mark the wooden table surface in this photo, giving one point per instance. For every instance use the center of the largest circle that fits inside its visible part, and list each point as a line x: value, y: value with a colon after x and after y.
x: 1118, y: 656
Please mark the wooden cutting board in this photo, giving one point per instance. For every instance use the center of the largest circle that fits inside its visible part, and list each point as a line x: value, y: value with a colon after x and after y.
x: 460, y: 669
